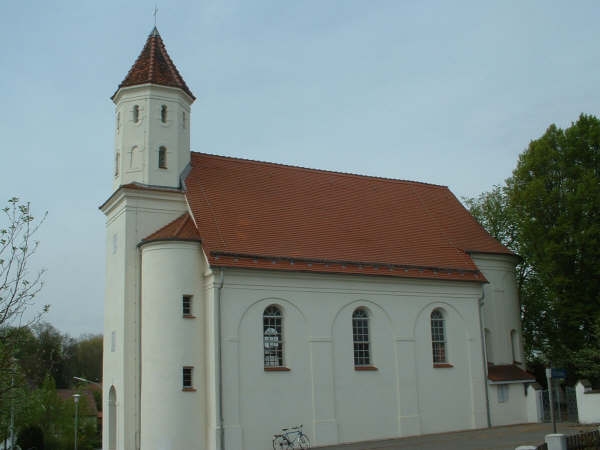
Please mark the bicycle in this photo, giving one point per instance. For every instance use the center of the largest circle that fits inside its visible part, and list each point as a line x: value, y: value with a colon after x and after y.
x: 291, y: 438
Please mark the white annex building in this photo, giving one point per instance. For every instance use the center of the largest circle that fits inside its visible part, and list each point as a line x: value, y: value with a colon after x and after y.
x: 245, y: 296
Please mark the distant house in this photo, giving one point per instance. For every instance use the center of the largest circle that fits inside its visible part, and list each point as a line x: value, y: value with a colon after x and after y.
x: 244, y: 296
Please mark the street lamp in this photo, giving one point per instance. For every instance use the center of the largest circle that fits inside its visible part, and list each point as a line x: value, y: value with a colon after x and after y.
x: 76, y: 400
x: 86, y: 381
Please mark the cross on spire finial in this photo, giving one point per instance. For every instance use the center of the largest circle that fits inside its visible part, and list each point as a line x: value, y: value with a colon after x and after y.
x: 155, y: 13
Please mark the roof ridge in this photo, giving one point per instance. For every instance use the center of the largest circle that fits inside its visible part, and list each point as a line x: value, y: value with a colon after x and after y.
x: 324, y: 171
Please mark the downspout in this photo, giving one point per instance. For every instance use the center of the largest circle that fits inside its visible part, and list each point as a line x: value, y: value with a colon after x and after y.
x: 220, y: 359
x: 138, y: 434
x: 484, y: 355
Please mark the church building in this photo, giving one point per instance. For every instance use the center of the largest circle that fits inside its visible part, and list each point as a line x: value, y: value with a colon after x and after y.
x: 246, y: 296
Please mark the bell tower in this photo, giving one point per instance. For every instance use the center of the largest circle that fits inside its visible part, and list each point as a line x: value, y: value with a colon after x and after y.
x: 152, y: 150
x: 152, y: 133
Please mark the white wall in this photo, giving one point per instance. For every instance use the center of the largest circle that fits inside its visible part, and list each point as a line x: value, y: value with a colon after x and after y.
x: 588, y: 404
x: 149, y: 133
x: 535, y: 411
x: 406, y: 395
x: 170, y: 342
x: 131, y: 215
x: 513, y: 410
x: 501, y: 312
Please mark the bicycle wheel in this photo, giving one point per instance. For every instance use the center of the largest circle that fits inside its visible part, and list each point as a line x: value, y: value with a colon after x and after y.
x: 281, y: 443
x: 302, y: 442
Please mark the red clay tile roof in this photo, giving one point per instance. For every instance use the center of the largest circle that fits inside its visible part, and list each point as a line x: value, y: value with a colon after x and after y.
x: 260, y: 215
x: 155, y: 66
x: 181, y: 229
x: 508, y: 372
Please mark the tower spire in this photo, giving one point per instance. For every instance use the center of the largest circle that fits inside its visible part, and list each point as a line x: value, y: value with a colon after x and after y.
x: 154, y: 66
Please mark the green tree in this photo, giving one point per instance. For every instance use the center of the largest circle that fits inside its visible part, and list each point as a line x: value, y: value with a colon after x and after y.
x: 494, y: 212
x: 18, y: 284
x: 555, y: 194
x: 87, y: 357
x: 549, y: 213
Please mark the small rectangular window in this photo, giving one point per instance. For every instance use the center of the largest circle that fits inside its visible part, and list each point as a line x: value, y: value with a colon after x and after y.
x: 186, y: 305
x: 188, y: 382
x: 502, y: 393
x: 162, y: 157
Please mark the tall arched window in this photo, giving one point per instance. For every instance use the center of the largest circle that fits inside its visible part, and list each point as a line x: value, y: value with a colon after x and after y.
x: 488, y: 346
x: 438, y: 337
x: 117, y: 157
x: 360, y: 337
x: 136, y: 114
x: 112, y: 418
x: 273, y: 337
x: 183, y: 120
x: 162, y: 157
x: 163, y: 113
x: 515, y: 346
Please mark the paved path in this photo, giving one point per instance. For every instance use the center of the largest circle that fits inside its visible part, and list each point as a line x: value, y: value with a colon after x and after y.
x: 498, y: 438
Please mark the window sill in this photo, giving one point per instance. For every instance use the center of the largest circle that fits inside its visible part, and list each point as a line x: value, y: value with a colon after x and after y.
x: 189, y: 316
x: 365, y: 368
x: 277, y: 369
x: 188, y: 389
x: 442, y: 366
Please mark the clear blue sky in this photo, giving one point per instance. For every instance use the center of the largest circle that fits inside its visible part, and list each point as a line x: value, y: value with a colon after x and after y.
x: 443, y: 92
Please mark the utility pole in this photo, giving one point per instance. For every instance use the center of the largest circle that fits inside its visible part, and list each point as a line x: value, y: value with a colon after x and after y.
x: 550, y: 400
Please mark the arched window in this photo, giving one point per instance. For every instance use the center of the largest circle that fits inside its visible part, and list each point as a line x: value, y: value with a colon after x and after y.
x: 438, y: 337
x: 118, y: 122
x: 273, y: 337
x: 136, y: 114
x: 360, y: 337
x: 112, y: 418
x: 163, y: 113
x: 488, y: 346
x: 162, y: 157
x: 183, y: 120
x: 515, y: 346
x: 117, y: 157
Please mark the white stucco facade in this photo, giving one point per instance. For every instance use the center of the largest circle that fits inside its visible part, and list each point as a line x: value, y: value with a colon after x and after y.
x: 405, y: 395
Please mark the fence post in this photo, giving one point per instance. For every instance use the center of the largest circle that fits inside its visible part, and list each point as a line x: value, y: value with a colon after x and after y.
x: 556, y: 441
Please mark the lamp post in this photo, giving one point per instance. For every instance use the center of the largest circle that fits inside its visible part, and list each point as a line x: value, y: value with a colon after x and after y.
x: 76, y: 400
